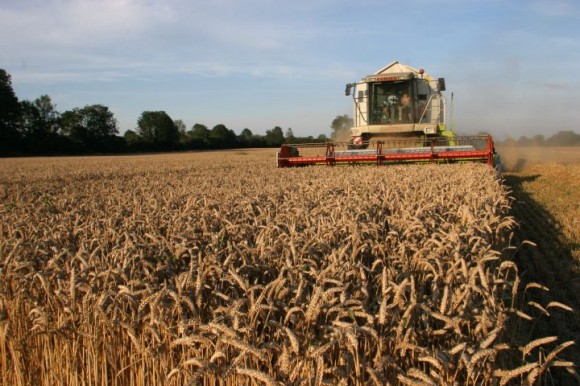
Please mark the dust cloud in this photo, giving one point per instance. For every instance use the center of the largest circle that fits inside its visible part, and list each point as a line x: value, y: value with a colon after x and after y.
x: 516, y: 158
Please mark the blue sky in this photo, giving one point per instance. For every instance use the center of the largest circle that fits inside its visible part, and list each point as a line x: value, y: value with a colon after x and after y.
x: 512, y: 65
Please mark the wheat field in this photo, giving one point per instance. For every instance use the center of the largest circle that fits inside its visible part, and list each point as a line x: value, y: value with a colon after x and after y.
x: 218, y: 268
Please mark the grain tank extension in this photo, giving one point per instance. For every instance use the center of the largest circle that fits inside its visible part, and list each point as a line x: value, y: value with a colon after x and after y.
x: 399, y: 117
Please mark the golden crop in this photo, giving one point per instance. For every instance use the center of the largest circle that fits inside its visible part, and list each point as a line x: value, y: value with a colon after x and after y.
x: 219, y: 269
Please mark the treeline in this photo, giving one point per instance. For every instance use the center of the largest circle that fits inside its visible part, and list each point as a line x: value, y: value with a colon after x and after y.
x: 562, y: 138
x: 37, y: 128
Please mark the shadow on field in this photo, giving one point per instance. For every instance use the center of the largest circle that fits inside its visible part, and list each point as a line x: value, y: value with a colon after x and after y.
x: 551, y: 264
x: 520, y: 164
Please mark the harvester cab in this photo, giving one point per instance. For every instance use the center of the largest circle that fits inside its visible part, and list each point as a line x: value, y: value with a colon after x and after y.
x: 399, y: 117
x: 398, y: 101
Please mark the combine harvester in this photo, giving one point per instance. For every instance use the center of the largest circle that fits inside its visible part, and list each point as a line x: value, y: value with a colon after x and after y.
x: 399, y: 117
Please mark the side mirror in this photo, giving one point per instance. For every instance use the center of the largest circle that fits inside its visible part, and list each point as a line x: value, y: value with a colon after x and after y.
x: 347, y: 89
x: 441, y: 84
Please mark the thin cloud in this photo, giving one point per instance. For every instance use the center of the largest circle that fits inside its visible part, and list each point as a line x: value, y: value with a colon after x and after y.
x: 293, y: 58
x: 160, y: 37
x: 556, y: 86
x: 556, y: 8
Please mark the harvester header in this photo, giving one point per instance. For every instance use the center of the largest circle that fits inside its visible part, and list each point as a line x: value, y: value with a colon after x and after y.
x: 392, y: 151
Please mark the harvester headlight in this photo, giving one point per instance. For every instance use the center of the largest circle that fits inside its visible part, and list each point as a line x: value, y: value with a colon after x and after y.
x: 430, y: 130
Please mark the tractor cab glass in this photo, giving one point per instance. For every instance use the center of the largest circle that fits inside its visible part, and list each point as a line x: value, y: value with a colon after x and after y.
x: 390, y: 103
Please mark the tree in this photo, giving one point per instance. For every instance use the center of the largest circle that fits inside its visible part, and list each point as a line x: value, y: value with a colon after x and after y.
x: 524, y: 141
x: 92, y: 127
x: 198, y: 137
x: 245, y: 139
x: 564, y: 138
x: 10, y: 115
x: 73, y: 128
x: 182, y: 130
x: 39, y: 126
x: 199, y: 131
x: 539, y: 140
x: 181, y: 127
x: 133, y: 140
x: 49, y: 116
x: 509, y: 142
x: 274, y: 137
x: 158, y: 130
x: 341, y: 126
x: 290, y: 135
x: 31, y: 122
x: 222, y: 138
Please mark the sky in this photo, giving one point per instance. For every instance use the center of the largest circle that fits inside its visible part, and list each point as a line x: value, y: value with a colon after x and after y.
x: 511, y: 65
